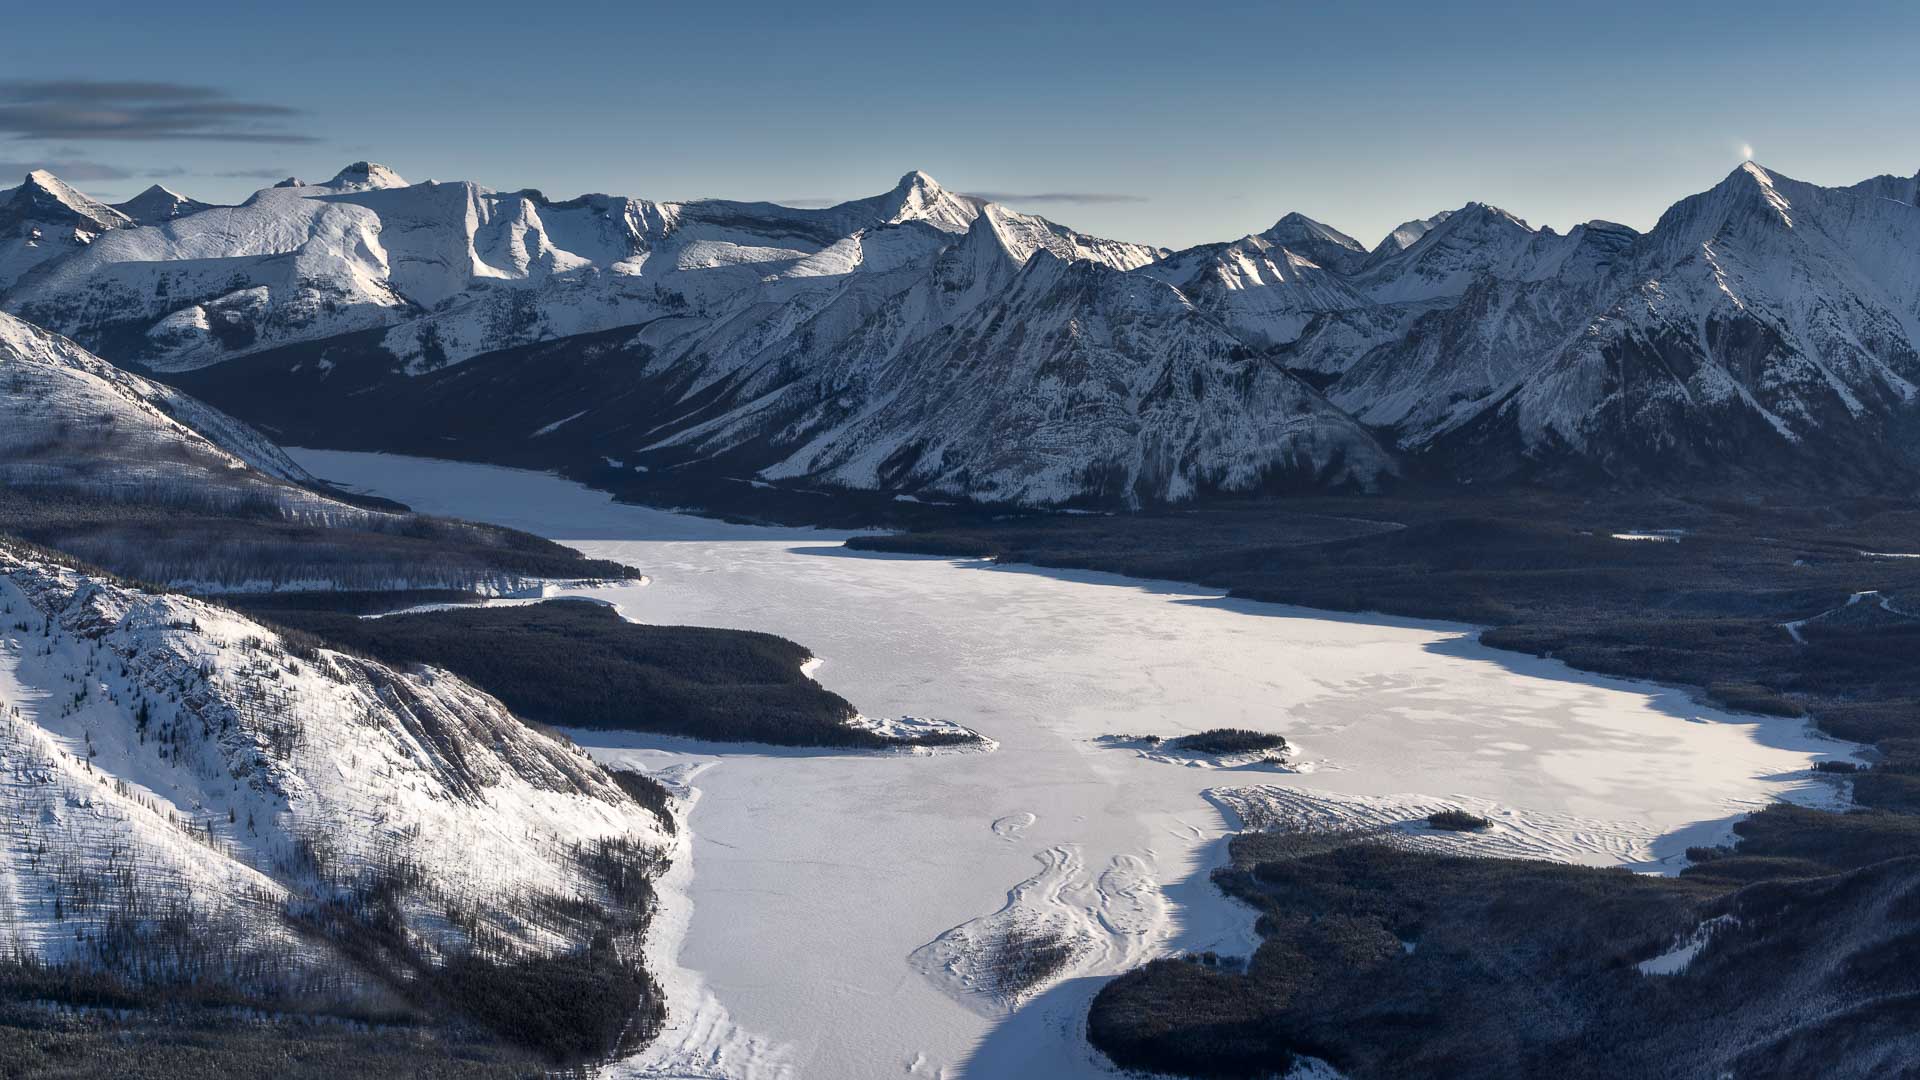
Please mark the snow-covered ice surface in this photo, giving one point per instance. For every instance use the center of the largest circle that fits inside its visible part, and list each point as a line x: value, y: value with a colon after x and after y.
x: 832, y: 896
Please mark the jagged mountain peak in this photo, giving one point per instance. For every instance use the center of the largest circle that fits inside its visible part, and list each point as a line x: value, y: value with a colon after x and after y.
x: 917, y: 179
x: 158, y: 204
x: 1751, y: 176
x: 1450, y: 254
x: 366, y: 176
x: 919, y: 197
x: 1407, y: 234
x: 45, y: 197
x: 1475, y: 212
x: 1295, y: 223
x: 1750, y: 196
x: 1319, y: 243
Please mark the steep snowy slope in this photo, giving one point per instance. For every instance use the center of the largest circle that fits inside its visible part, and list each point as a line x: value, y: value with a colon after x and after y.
x: 1269, y: 287
x: 141, y: 478
x: 192, y: 798
x: 1766, y: 322
x: 44, y: 220
x: 1404, y: 237
x: 1075, y: 381
x: 1324, y: 244
x: 1473, y: 242
x: 68, y: 416
x: 1448, y: 361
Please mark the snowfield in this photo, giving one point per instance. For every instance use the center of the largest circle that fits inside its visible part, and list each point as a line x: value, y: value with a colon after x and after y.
x: 837, y: 913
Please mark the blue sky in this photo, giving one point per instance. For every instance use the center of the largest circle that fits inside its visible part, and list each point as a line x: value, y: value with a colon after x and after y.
x: 1164, y: 123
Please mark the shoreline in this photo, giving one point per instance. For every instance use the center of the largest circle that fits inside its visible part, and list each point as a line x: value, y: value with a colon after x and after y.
x: 1208, y: 852
x: 700, y: 1038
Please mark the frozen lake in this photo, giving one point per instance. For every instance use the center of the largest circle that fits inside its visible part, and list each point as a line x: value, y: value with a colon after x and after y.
x: 817, y: 929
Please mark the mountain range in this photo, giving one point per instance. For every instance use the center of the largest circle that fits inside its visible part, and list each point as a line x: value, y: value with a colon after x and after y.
x: 924, y: 342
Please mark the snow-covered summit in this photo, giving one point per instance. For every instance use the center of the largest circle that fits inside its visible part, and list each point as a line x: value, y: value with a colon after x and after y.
x: 44, y: 220
x: 366, y: 176
x: 1325, y: 245
x: 1408, y: 233
x: 919, y: 197
x: 45, y: 197
x: 759, y: 330
x: 158, y: 204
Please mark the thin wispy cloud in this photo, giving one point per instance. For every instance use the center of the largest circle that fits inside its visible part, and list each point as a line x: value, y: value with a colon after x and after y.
x: 1084, y: 198
x: 85, y: 109
x: 80, y: 170
x: 77, y: 171
x: 254, y: 174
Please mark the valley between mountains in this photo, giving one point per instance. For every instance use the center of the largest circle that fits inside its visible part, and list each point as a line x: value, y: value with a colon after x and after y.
x: 1514, y: 561
x: 928, y: 343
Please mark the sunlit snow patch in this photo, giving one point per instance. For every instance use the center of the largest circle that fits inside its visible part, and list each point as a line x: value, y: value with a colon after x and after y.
x: 912, y: 727
x: 1658, y: 536
x: 1675, y: 960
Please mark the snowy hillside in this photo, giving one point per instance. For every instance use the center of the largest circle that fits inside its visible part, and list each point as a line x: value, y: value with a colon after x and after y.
x: 925, y: 340
x: 139, y: 477
x: 66, y: 416
x: 1076, y: 380
x: 1764, y: 319
x: 189, y: 797
x: 44, y: 220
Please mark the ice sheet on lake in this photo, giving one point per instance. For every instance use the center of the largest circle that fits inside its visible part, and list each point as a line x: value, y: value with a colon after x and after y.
x: 826, y: 888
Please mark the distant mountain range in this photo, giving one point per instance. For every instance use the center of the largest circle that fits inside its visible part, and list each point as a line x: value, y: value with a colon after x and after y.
x: 925, y: 342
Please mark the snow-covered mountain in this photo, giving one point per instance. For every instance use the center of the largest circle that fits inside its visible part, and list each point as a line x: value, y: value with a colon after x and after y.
x: 134, y: 475
x: 1405, y: 236
x: 158, y: 204
x: 69, y: 418
x: 1764, y: 321
x: 44, y: 220
x: 191, y: 797
x: 927, y: 341
x: 454, y: 269
x: 1041, y: 379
